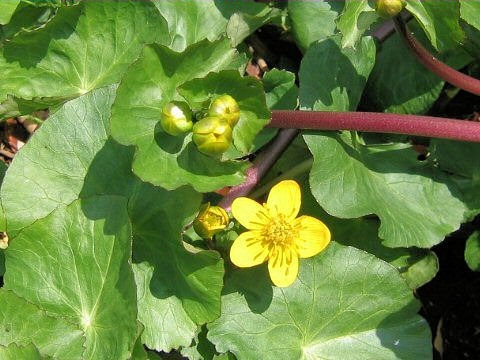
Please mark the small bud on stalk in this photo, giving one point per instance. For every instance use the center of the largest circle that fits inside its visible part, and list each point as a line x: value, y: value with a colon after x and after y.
x: 210, y: 220
x: 212, y: 135
x: 390, y: 8
x: 176, y: 118
x: 226, y: 108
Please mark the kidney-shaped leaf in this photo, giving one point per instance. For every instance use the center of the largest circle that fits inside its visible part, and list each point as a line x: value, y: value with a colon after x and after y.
x: 345, y: 304
x: 84, y: 47
x: 74, y: 264
x: 149, y: 84
x: 414, y: 202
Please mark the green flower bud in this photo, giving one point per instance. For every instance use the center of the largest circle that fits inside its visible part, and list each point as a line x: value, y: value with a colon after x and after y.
x: 210, y: 220
x: 390, y: 8
x: 212, y: 135
x: 225, y: 107
x: 176, y: 118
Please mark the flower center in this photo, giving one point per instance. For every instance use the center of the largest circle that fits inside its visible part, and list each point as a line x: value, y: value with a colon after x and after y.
x: 279, y: 232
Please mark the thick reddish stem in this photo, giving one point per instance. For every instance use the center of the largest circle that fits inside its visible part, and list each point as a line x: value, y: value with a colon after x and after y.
x: 378, y: 122
x: 263, y: 162
x: 444, y: 71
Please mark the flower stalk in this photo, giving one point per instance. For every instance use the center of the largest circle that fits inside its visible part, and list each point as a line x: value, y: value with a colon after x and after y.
x: 262, y: 163
x: 441, y: 69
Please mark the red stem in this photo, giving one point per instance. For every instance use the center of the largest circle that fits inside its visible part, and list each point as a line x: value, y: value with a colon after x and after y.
x: 441, y: 69
x: 378, y: 122
x: 262, y: 163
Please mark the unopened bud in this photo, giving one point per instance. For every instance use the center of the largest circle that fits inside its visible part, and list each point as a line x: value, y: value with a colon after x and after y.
x: 176, y: 118
x: 390, y: 8
x: 212, y: 135
x: 226, y: 108
x: 210, y: 220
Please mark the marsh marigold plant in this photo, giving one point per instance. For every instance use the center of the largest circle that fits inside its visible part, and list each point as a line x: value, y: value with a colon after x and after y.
x: 276, y: 234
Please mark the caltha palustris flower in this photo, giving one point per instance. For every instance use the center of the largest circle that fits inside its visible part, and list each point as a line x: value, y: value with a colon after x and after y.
x: 276, y: 234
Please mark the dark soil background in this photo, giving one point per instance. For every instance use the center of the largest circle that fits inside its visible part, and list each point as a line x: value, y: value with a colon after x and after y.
x: 451, y: 301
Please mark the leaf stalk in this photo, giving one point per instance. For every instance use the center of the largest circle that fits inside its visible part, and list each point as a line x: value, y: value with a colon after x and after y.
x: 441, y: 69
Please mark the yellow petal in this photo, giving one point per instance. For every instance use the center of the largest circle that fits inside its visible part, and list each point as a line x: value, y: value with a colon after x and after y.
x: 283, y: 267
x: 247, y: 250
x: 249, y: 213
x: 313, y: 236
x: 285, y: 198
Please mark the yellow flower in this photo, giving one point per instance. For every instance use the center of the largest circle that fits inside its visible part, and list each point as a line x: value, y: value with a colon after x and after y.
x: 276, y: 234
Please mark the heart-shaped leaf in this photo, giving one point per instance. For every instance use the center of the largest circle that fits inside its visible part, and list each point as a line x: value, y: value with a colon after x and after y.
x: 345, y: 304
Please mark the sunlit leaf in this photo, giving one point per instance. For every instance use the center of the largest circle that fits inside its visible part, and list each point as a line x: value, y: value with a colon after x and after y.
x: 345, y: 304
x: 84, y: 47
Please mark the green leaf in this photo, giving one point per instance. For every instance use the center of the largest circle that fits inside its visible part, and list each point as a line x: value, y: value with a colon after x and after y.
x: 201, y: 348
x: 281, y: 91
x: 180, y: 271
x: 7, y: 8
x: 345, y: 304
x: 150, y: 83
x: 84, y: 47
x: 331, y: 78
x: 313, y: 20
x: 417, y: 266
x: 439, y: 20
x: 167, y: 325
x: 456, y: 158
x: 52, y: 168
x: 80, y: 272
x: 470, y: 12
x: 356, y: 18
x: 242, y: 25
x: 15, y: 352
x: 94, y: 166
x: 191, y: 21
x: 472, y: 251
x: 23, y: 323
x: 26, y: 18
x: 413, y: 200
x: 406, y: 86
x: 247, y: 91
